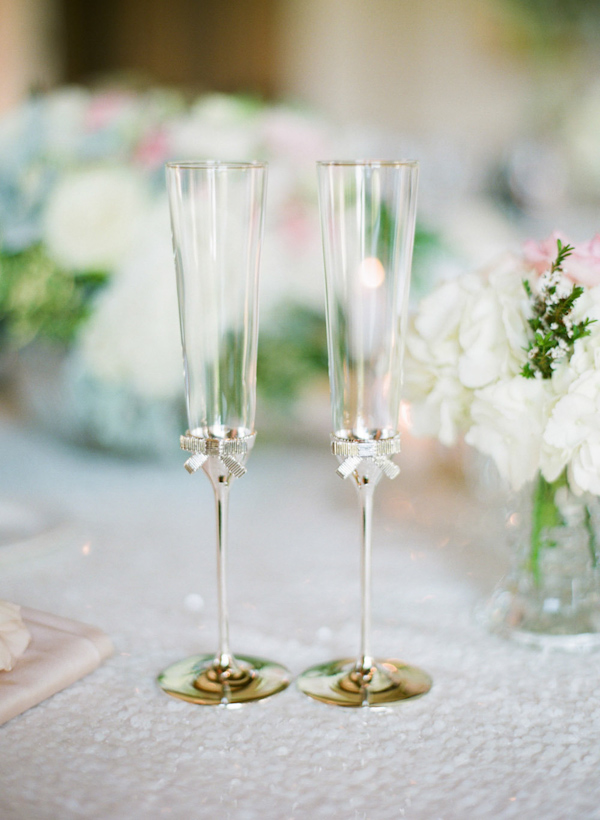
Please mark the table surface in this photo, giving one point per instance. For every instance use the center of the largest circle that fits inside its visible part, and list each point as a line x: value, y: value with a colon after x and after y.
x: 506, y: 731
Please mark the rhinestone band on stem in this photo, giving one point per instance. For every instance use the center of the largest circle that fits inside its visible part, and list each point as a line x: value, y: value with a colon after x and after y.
x: 377, y: 450
x: 224, y: 448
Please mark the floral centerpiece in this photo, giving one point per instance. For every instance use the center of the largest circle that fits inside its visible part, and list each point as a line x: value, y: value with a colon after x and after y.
x: 509, y: 357
x: 86, y: 260
x: 85, y: 250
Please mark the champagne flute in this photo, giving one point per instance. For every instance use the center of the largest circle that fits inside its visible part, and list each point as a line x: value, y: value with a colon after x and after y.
x: 217, y: 215
x: 368, y: 221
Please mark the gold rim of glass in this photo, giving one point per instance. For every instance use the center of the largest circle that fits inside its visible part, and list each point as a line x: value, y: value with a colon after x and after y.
x: 214, y: 163
x: 369, y: 163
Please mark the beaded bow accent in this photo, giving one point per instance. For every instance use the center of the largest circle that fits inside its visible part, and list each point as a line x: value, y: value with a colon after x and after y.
x: 228, y: 450
x: 377, y: 450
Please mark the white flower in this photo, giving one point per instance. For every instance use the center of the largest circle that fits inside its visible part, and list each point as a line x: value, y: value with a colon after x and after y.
x: 468, y: 333
x: 509, y: 418
x: 438, y: 398
x: 443, y: 411
x: 588, y: 307
x: 132, y: 338
x: 466, y: 350
x: 93, y: 218
x: 14, y: 635
x: 574, y: 430
x: 492, y: 331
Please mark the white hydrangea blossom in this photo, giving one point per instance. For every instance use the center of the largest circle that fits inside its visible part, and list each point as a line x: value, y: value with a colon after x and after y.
x: 573, y: 430
x: 132, y: 338
x: 508, y: 422
x: 465, y: 353
x: 467, y: 334
x: 93, y: 218
x: 430, y: 366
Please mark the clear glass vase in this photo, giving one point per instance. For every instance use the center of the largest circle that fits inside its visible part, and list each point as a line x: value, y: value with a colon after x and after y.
x: 550, y: 597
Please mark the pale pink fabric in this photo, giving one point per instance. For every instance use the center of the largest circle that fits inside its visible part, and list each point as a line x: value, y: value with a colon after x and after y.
x: 61, y: 651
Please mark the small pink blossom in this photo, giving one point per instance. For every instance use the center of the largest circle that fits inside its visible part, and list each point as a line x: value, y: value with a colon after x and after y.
x: 153, y: 149
x: 582, y: 266
x: 105, y: 109
x: 541, y: 255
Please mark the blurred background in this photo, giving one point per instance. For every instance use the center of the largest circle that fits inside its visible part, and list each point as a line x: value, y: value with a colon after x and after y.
x: 498, y: 99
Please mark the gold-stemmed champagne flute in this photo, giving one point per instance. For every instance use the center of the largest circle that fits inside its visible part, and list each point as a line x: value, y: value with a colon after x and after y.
x: 368, y: 220
x: 217, y: 215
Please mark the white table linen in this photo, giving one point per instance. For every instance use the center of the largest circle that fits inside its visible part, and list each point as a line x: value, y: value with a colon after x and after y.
x: 506, y: 732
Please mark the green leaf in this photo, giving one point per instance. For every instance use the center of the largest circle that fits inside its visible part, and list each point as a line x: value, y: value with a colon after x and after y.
x: 548, y: 322
x: 39, y: 299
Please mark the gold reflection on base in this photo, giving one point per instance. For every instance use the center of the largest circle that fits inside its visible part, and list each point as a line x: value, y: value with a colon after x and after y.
x: 342, y: 683
x: 201, y: 680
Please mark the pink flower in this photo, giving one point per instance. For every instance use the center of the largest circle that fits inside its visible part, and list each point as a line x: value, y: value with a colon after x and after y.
x: 582, y: 266
x: 105, y: 108
x: 153, y: 149
x: 541, y: 255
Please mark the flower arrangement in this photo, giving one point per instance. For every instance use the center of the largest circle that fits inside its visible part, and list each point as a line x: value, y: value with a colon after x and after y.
x: 510, y: 357
x: 85, y: 249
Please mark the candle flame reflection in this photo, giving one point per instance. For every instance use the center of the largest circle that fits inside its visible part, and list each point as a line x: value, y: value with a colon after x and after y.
x: 371, y: 272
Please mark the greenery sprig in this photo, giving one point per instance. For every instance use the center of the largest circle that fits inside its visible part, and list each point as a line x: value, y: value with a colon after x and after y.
x: 554, y: 333
x: 38, y: 299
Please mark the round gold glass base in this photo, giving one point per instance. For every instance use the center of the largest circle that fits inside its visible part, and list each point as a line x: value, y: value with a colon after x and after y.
x: 200, y: 679
x: 344, y: 683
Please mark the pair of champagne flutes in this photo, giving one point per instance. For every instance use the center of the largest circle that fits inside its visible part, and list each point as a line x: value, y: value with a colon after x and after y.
x: 367, y: 213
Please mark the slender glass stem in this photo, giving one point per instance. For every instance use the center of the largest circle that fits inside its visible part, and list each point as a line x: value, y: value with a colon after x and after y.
x: 366, y: 489
x: 221, y: 487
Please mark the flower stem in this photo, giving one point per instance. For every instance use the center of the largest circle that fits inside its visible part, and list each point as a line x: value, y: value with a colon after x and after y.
x: 545, y: 514
x: 592, y: 545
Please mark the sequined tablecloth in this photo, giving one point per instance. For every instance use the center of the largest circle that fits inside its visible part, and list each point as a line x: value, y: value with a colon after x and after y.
x: 506, y: 732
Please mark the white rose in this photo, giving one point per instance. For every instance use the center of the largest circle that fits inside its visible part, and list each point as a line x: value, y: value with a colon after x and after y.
x: 14, y: 635
x: 93, y: 217
x: 508, y: 424
x: 133, y: 336
x: 574, y: 430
